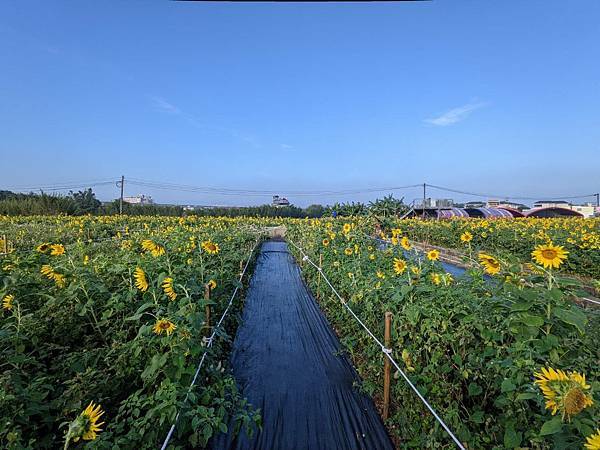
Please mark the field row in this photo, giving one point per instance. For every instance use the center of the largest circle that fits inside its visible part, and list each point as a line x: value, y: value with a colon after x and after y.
x: 482, y: 347
x: 103, y: 325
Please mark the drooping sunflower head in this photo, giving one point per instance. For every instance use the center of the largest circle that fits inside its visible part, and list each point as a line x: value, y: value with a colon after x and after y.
x: 43, y: 248
x: 212, y: 284
x: 564, y: 392
x: 490, y: 264
x: 155, y: 249
x: 405, y: 243
x: 141, y: 282
x: 593, y: 441
x: 399, y: 266
x: 549, y: 255
x: 380, y: 274
x: 7, y: 302
x: 167, y: 286
x: 57, y: 249
x: 433, y: 255
x: 466, y: 237
x: 436, y: 278
x: 210, y: 247
x: 86, y: 426
x: 164, y: 326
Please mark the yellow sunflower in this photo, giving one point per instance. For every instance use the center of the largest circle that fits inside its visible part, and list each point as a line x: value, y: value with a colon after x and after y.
x: 380, y: 274
x: 325, y: 242
x: 405, y: 243
x: 164, y: 326
x: 436, y: 279
x: 43, y: 248
x: 167, y: 286
x: 141, y: 282
x: 564, y: 392
x: 86, y: 425
x: 347, y: 228
x: 212, y: 284
x: 433, y: 255
x: 399, y: 266
x: 57, y: 249
x: 348, y: 251
x: 7, y: 302
x: 466, y: 237
x: 490, y: 264
x: 155, y: 249
x: 210, y: 247
x: 549, y: 256
x: 49, y: 273
x: 593, y: 441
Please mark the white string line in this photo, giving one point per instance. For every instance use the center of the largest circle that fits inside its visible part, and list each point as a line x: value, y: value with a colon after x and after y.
x: 208, y: 345
x: 386, y: 351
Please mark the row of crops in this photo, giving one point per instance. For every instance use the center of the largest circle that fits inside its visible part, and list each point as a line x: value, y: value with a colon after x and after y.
x: 516, y: 238
x: 503, y: 353
x: 102, y: 327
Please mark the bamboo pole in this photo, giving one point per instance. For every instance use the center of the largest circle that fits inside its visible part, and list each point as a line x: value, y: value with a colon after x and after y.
x: 207, y: 307
x: 5, y: 244
x: 386, y: 367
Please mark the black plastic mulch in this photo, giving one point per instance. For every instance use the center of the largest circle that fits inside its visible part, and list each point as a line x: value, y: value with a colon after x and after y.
x: 287, y: 362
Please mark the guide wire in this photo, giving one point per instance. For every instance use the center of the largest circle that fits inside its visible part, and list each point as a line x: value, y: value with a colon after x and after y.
x: 387, y: 352
x: 208, y: 346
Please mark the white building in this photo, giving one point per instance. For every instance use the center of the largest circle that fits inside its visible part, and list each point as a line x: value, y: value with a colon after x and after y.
x: 280, y: 201
x: 139, y: 200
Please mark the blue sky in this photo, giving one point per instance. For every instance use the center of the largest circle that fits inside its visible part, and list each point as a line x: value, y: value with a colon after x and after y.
x: 499, y: 97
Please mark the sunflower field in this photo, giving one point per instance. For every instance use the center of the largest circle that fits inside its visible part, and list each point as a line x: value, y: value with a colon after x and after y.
x: 502, y: 352
x: 103, y: 323
x: 516, y: 237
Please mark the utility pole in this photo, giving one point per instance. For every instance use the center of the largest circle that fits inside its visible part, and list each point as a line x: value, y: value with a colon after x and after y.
x: 424, y: 195
x: 122, y: 184
x: 597, y: 199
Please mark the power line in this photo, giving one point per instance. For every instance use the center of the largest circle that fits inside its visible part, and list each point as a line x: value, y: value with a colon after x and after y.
x: 261, y: 193
x: 62, y: 186
x: 474, y: 194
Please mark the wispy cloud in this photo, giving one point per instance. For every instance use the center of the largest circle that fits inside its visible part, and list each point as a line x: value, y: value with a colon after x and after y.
x: 164, y: 106
x: 286, y: 147
x: 455, y: 115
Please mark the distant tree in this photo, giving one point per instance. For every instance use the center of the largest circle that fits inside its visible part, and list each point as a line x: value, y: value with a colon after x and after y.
x: 314, y: 211
x: 85, y: 202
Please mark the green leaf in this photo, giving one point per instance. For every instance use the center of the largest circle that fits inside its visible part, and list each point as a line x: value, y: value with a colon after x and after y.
x: 512, y: 438
x: 508, y: 386
x: 474, y: 389
x: 573, y: 317
x: 551, y: 426
x: 526, y: 396
x: 531, y: 320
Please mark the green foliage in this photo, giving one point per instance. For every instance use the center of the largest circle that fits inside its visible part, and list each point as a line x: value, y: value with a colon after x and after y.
x: 471, y: 346
x: 93, y: 339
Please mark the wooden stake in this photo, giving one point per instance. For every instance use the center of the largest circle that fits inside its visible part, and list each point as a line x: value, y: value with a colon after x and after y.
x: 241, y: 267
x: 386, y: 367
x: 5, y: 244
x: 207, y: 307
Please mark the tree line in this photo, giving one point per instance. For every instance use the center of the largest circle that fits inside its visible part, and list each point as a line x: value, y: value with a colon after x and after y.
x: 85, y: 202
